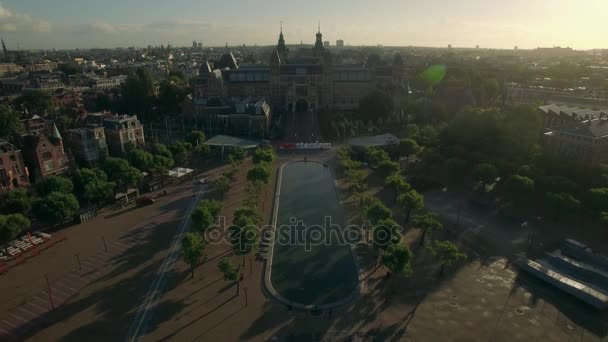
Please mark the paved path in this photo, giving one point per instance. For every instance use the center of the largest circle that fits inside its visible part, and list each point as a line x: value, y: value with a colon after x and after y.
x: 139, y: 325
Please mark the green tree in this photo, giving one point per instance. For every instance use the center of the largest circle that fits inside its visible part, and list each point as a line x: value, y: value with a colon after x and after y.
x: 559, y: 184
x: 193, y: 250
x: 519, y: 188
x: 260, y: 172
x: 237, y: 154
x: 230, y: 272
x: 385, y: 233
x: 457, y: 168
x: 93, y: 186
x: 36, y: 102
x: 195, y: 138
x: 201, y: 218
x: 377, y: 212
x: 376, y: 105
x: 375, y: 156
x: 222, y: 185
x: 427, y: 136
x: 263, y: 155
x: 387, y: 168
x: 182, y: 151
x: 243, y: 236
x: 138, y: 93
x: 141, y: 159
x: 161, y: 165
x: 448, y: 254
x: 15, y: 201
x: 171, y: 95
x: 120, y: 172
x: 410, y: 200
x: 161, y: 150
x: 249, y: 213
x: 604, y: 217
x: 54, y: 183
x: 485, y: 173
x: 214, y: 207
x: 428, y: 223
x: 398, y: 184
x: 596, y: 199
x: 9, y: 121
x: 408, y: 147
x: 398, y: 259
x: 11, y: 226
x: 56, y: 207
x: 562, y: 203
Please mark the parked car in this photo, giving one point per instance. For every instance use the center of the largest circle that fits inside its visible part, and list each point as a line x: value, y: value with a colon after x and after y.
x: 144, y: 201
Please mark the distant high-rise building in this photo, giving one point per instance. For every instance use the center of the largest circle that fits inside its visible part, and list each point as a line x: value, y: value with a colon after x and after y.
x: 449, y: 46
x: 515, y: 48
x: 200, y: 45
x: 4, y: 50
x: 477, y: 46
x: 194, y: 44
x: 339, y: 43
x: 326, y: 43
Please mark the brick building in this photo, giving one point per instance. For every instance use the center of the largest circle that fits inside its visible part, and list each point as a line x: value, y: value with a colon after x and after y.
x: 44, y: 153
x: 584, y: 142
x: 13, y: 172
x: 122, y: 131
x: 87, y: 144
x: 300, y: 84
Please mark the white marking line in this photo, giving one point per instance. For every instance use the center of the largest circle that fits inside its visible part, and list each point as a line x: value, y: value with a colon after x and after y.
x: 77, y: 277
x: 9, y: 323
x: 63, y: 285
x: 54, y: 289
x: 90, y: 263
x: 5, y: 332
x: 136, y: 330
x: 116, y: 242
x: 113, y: 251
x: 99, y: 259
x: 33, y: 315
x: 44, y: 300
x: 36, y: 306
x: 19, y: 317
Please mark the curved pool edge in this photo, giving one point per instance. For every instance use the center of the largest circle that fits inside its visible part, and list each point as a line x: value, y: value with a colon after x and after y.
x: 268, y: 268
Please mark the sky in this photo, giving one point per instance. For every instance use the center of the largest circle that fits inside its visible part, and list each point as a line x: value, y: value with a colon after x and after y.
x: 45, y: 24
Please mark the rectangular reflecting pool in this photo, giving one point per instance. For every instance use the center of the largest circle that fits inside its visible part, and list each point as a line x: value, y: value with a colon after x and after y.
x: 312, y: 263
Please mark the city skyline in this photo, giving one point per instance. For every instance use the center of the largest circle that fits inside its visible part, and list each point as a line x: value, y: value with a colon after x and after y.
x: 436, y: 23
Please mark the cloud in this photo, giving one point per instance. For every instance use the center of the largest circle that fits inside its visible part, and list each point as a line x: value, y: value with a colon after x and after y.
x: 17, y: 22
x: 109, y: 28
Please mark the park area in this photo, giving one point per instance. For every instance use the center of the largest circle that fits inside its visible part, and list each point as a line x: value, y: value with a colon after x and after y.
x: 100, y: 296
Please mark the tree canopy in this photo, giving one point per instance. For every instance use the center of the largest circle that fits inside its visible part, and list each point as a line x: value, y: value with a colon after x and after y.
x: 92, y: 185
x: 11, y: 226
x: 398, y: 259
x: 376, y: 105
x: 260, y: 172
x: 120, y: 172
x: 193, y: 249
x: 36, y: 102
x: 15, y: 201
x: 56, y: 207
x: 54, y: 183
x: 9, y: 121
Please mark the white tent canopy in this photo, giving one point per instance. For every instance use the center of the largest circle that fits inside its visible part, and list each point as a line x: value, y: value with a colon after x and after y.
x: 179, y: 172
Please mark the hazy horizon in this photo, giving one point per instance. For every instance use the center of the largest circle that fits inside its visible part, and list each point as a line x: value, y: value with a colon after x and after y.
x: 528, y: 24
